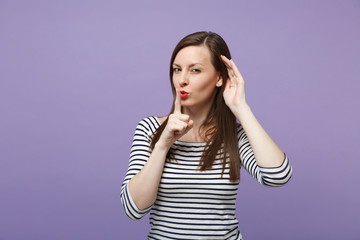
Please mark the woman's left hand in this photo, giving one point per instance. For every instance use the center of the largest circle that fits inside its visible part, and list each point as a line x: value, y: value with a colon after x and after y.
x: 234, y: 92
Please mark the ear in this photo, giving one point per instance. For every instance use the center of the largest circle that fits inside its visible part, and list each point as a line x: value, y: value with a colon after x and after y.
x: 219, y: 82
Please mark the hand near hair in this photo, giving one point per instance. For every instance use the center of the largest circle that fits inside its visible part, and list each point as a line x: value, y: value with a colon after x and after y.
x: 234, y: 92
x: 178, y: 124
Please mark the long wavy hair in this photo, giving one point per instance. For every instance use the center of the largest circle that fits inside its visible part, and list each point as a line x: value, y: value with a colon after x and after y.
x: 220, y: 127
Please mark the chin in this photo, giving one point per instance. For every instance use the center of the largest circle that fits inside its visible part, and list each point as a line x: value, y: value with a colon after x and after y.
x: 187, y: 103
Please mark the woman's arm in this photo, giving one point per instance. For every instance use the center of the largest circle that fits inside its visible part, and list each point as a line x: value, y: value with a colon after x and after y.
x: 267, y: 153
x: 143, y: 187
x: 268, y: 176
x: 139, y: 155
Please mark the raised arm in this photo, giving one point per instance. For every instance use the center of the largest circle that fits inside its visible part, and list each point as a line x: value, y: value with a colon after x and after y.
x: 268, y: 176
x: 266, y: 152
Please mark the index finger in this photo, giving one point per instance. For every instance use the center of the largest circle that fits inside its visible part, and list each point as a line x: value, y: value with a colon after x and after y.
x: 228, y: 65
x: 233, y: 70
x: 226, y: 61
x: 236, y: 70
x: 177, y: 103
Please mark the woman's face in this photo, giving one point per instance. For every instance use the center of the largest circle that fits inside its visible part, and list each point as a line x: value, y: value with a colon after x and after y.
x: 195, y: 76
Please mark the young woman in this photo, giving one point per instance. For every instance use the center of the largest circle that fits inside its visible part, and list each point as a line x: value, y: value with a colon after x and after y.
x: 185, y: 167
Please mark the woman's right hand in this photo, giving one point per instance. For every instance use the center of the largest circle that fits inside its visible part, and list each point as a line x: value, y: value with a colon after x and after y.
x: 178, y: 124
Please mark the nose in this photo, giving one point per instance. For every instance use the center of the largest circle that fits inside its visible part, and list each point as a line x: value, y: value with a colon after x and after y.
x: 183, y: 80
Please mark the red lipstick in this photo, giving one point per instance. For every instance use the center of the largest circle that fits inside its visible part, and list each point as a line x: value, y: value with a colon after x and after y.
x: 183, y: 94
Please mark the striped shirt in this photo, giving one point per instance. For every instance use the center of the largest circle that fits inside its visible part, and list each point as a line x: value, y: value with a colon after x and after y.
x: 193, y: 204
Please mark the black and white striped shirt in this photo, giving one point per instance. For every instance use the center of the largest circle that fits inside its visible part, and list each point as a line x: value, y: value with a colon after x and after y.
x: 193, y: 204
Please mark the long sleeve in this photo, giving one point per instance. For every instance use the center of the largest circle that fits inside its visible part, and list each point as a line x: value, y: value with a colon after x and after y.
x: 274, y: 177
x: 139, y: 153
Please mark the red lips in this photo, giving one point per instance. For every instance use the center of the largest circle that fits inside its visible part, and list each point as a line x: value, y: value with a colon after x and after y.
x: 183, y: 94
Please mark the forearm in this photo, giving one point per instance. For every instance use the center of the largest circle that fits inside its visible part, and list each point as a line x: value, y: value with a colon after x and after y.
x: 144, y: 185
x: 267, y: 153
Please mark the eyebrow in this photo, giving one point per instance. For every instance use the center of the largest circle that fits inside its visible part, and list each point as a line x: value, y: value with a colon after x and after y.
x: 191, y: 65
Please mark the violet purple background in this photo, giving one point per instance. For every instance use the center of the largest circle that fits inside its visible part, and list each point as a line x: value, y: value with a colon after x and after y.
x: 77, y: 76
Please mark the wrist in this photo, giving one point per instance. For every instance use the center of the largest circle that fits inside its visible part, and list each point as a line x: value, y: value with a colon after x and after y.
x: 160, y: 145
x: 242, y: 110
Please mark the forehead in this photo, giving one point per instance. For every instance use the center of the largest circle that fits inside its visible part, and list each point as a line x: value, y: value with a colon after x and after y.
x: 192, y: 54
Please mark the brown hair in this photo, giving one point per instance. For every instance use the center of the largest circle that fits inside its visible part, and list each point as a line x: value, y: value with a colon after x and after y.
x: 220, y: 125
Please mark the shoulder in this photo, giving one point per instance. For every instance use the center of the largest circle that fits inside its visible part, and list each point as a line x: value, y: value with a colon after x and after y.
x: 149, y: 124
x: 162, y: 119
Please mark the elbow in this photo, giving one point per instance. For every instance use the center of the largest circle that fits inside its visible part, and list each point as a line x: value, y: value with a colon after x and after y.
x: 133, y: 216
x: 279, y: 179
x: 130, y: 208
x: 276, y: 182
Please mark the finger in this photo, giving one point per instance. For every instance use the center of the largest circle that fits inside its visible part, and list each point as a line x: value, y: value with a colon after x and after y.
x: 227, y: 84
x: 229, y: 66
x: 235, y: 69
x: 190, y: 124
x: 179, y: 122
x: 179, y: 127
x: 182, y: 128
x: 177, y: 103
x: 226, y: 61
x: 183, y: 117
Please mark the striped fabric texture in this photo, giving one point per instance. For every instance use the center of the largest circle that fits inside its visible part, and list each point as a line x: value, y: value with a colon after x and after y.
x: 193, y: 204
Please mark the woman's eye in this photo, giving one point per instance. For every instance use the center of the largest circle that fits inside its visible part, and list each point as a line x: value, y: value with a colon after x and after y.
x: 195, y: 70
x: 177, y: 69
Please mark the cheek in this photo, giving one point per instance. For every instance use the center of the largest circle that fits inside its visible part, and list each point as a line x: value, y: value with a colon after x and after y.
x: 205, y: 90
x: 207, y: 85
x: 175, y: 82
x: 210, y: 89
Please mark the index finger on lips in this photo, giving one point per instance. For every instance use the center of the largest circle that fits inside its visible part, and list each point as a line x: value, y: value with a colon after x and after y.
x: 177, y: 103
